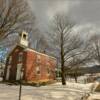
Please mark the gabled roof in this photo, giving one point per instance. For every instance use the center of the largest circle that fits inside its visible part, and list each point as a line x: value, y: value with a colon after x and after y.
x: 30, y: 49
x: 15, y: 48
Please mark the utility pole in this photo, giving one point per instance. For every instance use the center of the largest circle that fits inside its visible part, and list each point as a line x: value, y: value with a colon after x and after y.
x: 20, y: 88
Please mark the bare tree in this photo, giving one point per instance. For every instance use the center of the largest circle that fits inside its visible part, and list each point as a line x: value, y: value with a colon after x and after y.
x: 94, y: 44
x: 63, y: 41
x: 15, y: 16
x: 41, y: 45
x: 77, y: 62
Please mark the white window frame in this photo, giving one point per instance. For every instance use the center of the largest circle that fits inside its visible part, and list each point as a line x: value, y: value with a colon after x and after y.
x: 38, y: 70
x: 38, y: 59
x: 20, y: 57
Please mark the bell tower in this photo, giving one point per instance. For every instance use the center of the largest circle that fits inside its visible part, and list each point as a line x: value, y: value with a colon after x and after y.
x: 23, y: 39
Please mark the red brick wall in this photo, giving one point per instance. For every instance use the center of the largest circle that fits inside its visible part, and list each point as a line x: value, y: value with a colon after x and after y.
x: 29, y: 66
x: 45, y: 62
x: 30, y: 62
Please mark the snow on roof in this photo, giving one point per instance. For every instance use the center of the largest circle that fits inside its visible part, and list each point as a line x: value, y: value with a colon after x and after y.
x: 29, y: 49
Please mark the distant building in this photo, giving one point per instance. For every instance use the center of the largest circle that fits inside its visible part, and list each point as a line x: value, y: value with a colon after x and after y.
x: 28, y: 63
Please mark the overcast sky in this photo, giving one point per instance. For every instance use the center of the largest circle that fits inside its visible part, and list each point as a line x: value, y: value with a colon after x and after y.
x: 86, y: 13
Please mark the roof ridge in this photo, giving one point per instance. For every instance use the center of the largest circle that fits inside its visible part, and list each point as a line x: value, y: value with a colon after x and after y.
x: 39, y: 52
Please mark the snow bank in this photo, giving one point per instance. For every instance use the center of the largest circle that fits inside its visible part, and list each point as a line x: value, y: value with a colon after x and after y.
x: 89, y: 87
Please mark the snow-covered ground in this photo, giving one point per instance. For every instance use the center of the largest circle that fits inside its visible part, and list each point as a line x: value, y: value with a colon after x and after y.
x: 71, y: 91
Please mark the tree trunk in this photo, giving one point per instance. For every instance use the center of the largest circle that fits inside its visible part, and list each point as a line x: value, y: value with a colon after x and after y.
x: 63, y: 76
x: 62, y: 61
x: 75, y: 78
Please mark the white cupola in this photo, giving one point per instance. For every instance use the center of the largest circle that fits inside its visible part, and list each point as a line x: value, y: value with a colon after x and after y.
x: 23, y: 39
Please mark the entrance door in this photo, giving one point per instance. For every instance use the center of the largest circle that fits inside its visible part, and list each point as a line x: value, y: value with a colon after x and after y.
x: 8, y: 72
x: 18, y: 74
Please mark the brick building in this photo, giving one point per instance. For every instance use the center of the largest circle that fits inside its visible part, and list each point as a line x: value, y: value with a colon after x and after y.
x: 29, y: 64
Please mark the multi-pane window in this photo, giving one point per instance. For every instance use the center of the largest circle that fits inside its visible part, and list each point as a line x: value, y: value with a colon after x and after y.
x: 20, y: 58
x: 48, y: 70
x: 38, y: 60
x: 37, y: 70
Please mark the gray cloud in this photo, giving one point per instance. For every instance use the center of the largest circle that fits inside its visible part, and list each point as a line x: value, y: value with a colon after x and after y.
x: 87, y: 11
x: 45, y: 9
x: 82, y: 11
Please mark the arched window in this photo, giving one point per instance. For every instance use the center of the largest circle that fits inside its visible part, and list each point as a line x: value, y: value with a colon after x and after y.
x: 24, y: 36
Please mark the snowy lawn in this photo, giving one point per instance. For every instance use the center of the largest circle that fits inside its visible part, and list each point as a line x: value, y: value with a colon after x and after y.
x: 72, y: 91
